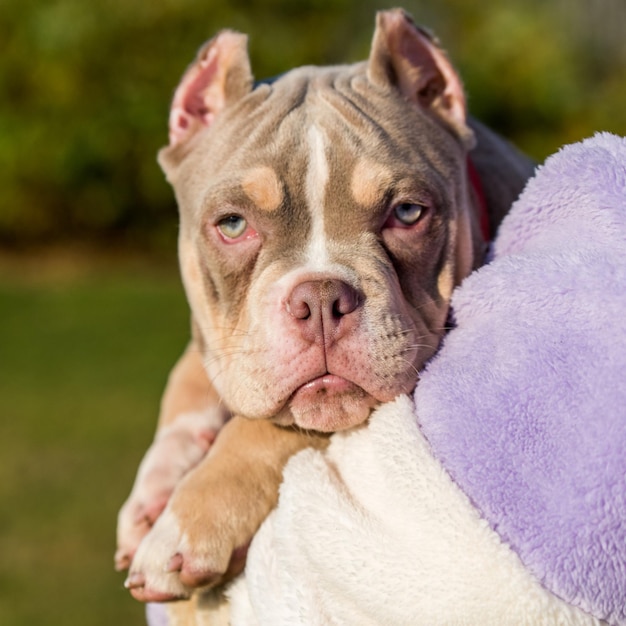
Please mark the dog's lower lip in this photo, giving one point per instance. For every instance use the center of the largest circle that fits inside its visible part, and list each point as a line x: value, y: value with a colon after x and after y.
x: 330, y: 403
x: 321, y: 388
x: 329, y: 382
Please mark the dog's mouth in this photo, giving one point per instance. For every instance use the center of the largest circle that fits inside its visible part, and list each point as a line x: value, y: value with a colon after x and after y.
x: 326, y: 385
x: 330, y: 403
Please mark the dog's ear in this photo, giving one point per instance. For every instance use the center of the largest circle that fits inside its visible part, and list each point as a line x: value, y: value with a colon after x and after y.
x: 407, y: 58
x: 219, y: 75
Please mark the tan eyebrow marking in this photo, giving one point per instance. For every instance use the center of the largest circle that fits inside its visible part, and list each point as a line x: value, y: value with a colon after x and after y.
x: 262, y: 185
x: 369, y: 181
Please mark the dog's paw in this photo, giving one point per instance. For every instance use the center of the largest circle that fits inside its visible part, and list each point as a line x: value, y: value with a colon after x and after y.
x: 201, y: 538
x: 171, y: 563
x: 151, y: 577
x: 176, y: 450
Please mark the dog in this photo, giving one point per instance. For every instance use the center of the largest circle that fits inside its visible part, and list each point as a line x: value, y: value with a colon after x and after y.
x: 325, y: 219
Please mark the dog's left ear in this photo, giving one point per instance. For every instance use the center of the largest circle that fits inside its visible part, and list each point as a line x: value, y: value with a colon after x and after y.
x: 219, y: 76
x: 408, y: 59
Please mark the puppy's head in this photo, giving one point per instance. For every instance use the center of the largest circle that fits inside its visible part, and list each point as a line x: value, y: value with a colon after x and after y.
x: 324, y: 223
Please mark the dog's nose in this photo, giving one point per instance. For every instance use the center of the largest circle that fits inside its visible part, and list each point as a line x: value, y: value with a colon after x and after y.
x: 323, y: 308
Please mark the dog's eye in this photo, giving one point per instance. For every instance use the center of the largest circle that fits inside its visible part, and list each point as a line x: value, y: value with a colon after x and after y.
x: 409, y: 214
x: 232, y: 226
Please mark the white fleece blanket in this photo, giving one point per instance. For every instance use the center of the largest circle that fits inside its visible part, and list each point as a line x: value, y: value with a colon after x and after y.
x: 375, y: 532
x: 524, y: 406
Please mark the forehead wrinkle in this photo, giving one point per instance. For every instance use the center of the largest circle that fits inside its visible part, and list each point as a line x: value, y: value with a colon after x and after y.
x: 352, y: 115
x: 256, y: 130
x: 401, y: 137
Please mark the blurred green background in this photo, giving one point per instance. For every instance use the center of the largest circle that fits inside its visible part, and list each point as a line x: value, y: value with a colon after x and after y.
x: 91, y: 311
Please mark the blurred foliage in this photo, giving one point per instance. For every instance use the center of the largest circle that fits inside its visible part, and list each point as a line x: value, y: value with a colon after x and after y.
x: 85, y: 90
x: 83, y: 361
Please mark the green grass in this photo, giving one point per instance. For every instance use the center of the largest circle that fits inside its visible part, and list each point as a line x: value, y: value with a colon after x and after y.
x: 83, y: 361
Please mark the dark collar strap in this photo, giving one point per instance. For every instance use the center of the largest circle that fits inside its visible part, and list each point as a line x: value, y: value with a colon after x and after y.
x: 483, y: 213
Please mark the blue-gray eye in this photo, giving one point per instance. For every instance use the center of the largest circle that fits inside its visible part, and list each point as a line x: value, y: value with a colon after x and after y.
x: 232, y: 226
x: 408, y: 213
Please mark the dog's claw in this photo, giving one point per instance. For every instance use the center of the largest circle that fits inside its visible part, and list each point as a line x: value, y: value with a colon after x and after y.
x: 207, y: 438
x: 148, y: 513
x: 175, y: 564
x: 134, y: 581
x: 189, y: 576
x: 122, y: 561
x: 205, y: 578
x: 136, y: 584
x: 143, y: 594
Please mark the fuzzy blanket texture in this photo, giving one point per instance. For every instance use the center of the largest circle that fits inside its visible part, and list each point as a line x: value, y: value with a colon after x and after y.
x: 497, y: 495
x: 526, y: 405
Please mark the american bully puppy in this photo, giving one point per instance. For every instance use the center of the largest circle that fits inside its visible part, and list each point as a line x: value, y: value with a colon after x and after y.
x: 325, y: 218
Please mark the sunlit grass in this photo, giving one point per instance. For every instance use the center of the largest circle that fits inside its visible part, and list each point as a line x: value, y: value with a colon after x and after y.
x: 82, y: 365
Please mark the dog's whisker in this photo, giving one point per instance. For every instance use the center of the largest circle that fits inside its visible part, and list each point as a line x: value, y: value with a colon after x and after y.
x: 415, y: 346
x: 411, y: 366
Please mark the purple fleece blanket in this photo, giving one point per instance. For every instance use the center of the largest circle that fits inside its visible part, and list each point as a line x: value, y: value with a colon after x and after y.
x: 525, y: 404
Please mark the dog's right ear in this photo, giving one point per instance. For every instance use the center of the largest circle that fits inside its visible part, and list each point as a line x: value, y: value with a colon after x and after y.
x: 219, y: 75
